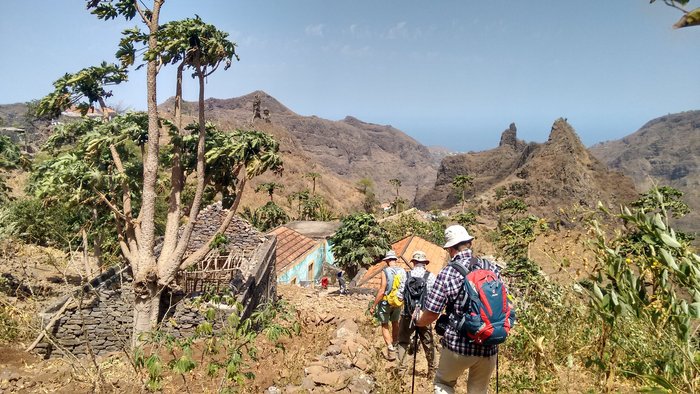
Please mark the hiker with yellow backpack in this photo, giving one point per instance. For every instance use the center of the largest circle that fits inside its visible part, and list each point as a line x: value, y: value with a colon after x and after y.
x: 389, y: 302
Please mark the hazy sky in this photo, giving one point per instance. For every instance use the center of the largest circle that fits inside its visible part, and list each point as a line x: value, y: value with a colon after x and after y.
x: 451, y: 73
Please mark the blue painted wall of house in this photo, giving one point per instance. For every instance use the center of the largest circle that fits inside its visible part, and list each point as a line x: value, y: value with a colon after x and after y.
x: 300, y: 270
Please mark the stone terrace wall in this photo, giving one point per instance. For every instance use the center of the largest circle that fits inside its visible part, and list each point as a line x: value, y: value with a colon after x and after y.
x: 105, y: 315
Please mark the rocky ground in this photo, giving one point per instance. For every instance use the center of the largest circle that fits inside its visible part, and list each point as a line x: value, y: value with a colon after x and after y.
x: 338, y: 350
x: 350, y: 360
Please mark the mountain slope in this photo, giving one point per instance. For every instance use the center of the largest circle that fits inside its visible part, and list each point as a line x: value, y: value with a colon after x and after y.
x: 555, y: 174
x: 349, y: 149
x: 663, y: 151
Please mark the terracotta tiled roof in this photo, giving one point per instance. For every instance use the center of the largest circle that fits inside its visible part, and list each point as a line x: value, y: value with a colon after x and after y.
x: 290, y: 246
x: 437, y: 256
x: 404, y: 249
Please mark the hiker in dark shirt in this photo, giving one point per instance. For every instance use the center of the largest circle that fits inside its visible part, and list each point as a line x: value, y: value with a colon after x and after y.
x: 419, y: 275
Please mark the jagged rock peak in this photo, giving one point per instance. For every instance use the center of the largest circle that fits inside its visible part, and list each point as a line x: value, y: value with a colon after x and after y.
x: 509, y: 137
x: 563, y: 133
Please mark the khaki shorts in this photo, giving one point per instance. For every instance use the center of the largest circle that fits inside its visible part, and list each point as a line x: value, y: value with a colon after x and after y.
x: 385, y: 313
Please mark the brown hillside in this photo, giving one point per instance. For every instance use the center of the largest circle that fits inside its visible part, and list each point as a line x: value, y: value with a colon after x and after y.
x: 347, y: 150
x: 663, y: 151
x: 557, y: 173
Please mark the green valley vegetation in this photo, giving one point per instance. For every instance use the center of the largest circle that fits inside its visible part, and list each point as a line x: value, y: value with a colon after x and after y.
x: 266, y: 217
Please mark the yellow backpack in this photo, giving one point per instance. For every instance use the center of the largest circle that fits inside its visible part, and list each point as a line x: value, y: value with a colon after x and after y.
x: 392, y: 297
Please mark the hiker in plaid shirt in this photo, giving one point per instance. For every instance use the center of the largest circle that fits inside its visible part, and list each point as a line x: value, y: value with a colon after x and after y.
x: 458, y: 353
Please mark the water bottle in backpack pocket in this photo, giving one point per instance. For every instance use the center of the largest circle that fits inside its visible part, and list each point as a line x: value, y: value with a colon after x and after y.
x: 488, y: 315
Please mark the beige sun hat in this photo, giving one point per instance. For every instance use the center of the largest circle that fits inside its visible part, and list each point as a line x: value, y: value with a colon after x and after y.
x: 420, y: 257
x: 456, y: 234
x: 390, y: 255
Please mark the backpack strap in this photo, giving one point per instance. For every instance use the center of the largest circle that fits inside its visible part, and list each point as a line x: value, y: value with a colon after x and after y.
x: 464, y: 271
x: 389, y: 280
x: 459, y: 267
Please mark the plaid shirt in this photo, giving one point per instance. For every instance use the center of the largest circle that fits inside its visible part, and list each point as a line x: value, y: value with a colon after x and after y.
x: 447, y: 287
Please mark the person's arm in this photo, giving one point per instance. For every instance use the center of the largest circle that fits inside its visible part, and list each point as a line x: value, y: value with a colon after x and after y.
x: 380, y: 293
x: 434, y: 303
x: 426, y: 318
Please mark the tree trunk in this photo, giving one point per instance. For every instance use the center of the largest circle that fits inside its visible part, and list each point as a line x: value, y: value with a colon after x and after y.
x: 177, y: 176
x: 169, y: 265
x: 145, y: 268
x: 146, y: 308
x: 97, y: 244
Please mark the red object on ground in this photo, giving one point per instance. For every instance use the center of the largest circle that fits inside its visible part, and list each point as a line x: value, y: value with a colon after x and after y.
x: 324, y: 282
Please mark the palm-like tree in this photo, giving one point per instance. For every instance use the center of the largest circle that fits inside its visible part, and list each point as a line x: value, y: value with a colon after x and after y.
x: 269, y: 188
x: 398, y: 201
x: 301, y: 197
x: 313, y: 176
x: 461, y: 182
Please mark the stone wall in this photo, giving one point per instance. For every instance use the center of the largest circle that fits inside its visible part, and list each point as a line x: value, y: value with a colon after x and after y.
x: 101, y: 318
x: 100, y: 315
x: 185, y: 315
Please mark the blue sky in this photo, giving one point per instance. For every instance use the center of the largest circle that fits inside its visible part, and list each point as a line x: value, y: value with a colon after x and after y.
x: 450, y: 73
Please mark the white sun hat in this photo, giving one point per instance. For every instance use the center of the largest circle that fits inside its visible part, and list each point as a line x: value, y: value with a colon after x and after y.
x: 456, y: 234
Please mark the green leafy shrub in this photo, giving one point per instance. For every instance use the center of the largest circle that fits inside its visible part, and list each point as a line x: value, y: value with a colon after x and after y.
x: 651, y: 277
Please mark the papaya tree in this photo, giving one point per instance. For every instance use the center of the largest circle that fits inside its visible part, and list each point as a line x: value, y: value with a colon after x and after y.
x: 359, y: 242
x: 9, y: 159
x: 461, y: 183
x: 189, y: 44
x: 269, y: 188
x: 313, y: 176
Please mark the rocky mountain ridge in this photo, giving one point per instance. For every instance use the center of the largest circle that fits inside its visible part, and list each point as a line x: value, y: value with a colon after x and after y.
x: 550, y: 175
x: 665, y: 151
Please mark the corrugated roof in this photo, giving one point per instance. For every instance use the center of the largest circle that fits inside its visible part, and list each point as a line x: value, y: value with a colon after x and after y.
x: 313, y: 228
x: 405, y: 248
x: 291, y: 245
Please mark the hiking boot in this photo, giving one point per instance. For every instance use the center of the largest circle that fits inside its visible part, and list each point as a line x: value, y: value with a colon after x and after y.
x: 389, y: 354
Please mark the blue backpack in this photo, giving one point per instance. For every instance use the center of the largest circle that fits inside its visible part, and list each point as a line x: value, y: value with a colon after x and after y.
x: 489, y: 315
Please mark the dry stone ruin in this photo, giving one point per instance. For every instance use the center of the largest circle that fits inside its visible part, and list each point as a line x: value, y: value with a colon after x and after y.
x: 97, y: 318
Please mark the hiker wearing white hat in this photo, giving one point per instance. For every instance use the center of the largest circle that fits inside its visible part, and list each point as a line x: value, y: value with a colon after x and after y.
x: 388, y: 302
x: 459, y: 353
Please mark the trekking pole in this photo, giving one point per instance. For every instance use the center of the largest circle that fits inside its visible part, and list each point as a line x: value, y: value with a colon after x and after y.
x: 415, y: 353
x: 496, y: 373
x: 413, y: 326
